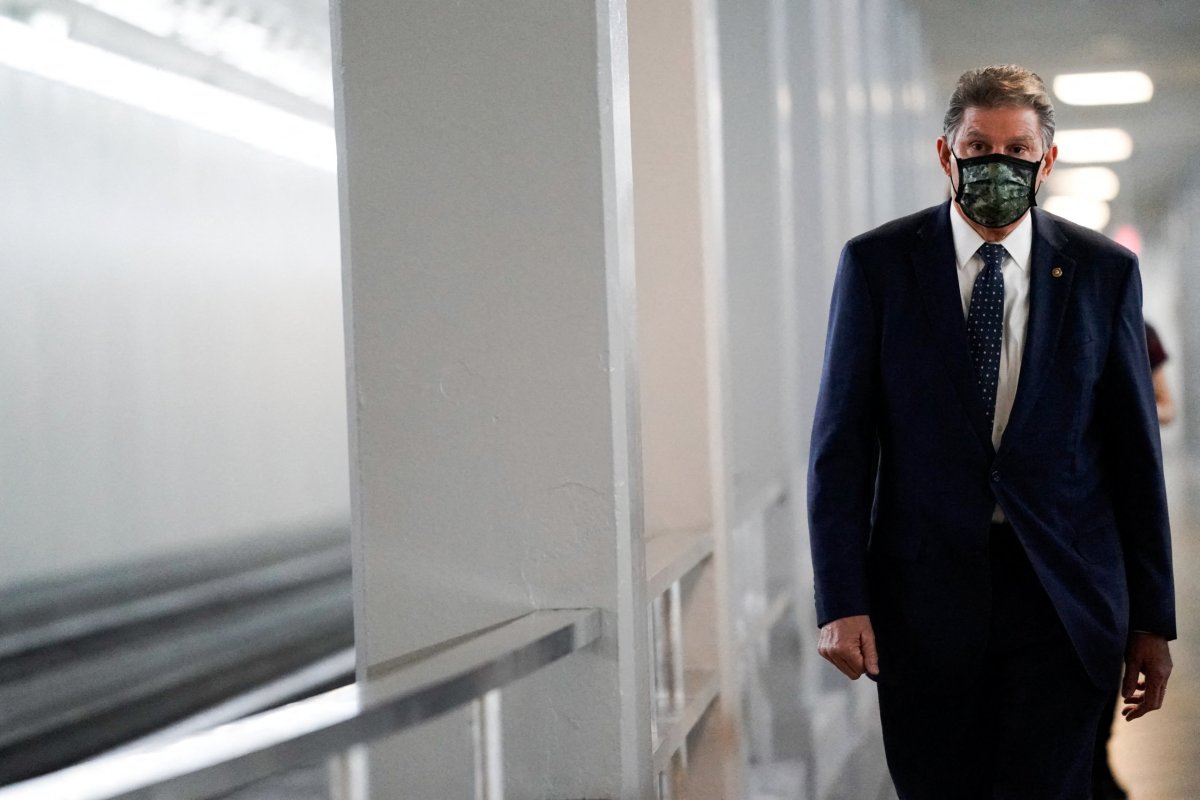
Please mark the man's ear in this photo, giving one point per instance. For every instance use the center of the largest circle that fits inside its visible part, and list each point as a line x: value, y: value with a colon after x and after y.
x: 1048, y: 161
x: 943, y: 149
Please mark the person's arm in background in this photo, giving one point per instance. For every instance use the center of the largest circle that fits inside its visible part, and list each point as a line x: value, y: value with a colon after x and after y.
x: 1162, y: 392
x: 1162, y: 396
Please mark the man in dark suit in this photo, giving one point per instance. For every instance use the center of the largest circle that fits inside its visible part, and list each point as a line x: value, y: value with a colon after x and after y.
x: 987, y: 511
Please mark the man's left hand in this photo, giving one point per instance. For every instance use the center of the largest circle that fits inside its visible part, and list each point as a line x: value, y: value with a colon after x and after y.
x: 1147, y: 667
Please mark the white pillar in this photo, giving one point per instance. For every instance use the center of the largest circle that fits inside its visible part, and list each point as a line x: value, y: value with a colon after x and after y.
x: 681, y: 333
x: 488, y: 258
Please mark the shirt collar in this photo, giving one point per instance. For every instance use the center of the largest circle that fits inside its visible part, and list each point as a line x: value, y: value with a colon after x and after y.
x: 1019, y: 243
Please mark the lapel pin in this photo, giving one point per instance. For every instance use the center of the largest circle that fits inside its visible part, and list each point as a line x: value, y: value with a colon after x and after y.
x: 1057, y: 272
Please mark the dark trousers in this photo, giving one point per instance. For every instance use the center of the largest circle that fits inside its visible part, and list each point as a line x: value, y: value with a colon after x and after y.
x: 1023, y: 729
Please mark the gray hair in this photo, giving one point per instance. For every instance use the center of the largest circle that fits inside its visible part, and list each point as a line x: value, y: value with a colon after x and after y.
x: 1000, y: 86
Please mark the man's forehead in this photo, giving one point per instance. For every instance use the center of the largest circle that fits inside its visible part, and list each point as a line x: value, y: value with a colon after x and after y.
x: 1003, y: 121
x: 1010, y: 135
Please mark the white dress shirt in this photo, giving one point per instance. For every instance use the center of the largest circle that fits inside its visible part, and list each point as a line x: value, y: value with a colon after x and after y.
x: 1015, y: 267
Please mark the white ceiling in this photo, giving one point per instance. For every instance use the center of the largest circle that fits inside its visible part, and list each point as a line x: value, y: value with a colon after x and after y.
x: 1159, y: 37
x: 275, y: 51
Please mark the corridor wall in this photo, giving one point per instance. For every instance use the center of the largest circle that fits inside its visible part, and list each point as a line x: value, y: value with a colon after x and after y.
x: 516, y: 189
x: 828, y: 129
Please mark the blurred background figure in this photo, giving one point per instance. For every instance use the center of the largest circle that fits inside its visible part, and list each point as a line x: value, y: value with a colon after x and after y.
x: 1162, y: 389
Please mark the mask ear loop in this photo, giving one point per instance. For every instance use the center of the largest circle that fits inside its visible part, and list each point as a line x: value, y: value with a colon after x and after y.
x: 958, y: 192
x: 1034, y: 187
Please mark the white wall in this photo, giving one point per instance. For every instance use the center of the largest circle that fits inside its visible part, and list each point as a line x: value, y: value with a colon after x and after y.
x: 170, y: 336
x: 828, y: 124
x: 487, y: 202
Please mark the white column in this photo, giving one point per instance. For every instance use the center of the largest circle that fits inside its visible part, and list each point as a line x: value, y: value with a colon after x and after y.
x: 489, y: 293
x: 681, y: 332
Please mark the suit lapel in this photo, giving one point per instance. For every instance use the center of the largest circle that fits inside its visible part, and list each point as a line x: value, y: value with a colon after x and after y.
x: 1050, y: 279
x: 935, y: 265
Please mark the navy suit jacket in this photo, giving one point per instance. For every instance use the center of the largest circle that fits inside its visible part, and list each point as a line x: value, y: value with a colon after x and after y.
x: 903, y: 477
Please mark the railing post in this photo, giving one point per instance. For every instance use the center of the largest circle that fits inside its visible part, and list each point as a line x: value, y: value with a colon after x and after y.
x: 348, y: 774
x: 489, y: 747
x: 485, y: 169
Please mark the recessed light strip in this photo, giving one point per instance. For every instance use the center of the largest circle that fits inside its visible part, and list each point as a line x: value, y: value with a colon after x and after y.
x: 1104, y: 88
x: 1093, y: 146
x: 1095, y: 183
x: 1092, y: 214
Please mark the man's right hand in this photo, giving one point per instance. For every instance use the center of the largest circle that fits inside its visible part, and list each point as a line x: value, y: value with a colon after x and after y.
x: 849, y: 644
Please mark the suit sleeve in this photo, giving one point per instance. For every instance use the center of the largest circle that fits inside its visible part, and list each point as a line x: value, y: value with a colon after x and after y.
x: 1134, y: 465
x: 843, y: 457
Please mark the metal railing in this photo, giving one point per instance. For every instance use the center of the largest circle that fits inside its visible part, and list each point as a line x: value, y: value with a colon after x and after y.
x: 307, y: 732
x: 97, y: 660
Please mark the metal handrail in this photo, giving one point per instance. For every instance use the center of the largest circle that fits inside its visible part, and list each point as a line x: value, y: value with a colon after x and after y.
x: 304, y: 733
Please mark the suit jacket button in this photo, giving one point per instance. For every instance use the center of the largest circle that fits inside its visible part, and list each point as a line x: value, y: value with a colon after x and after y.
x: 996, y: 475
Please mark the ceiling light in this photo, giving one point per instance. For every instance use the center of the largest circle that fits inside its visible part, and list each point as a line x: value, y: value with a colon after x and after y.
x: 1103, y: 88
x: 1095, y: 145
x: 1096, y: 183
x: 1092, y: 214
x: 167, y: 94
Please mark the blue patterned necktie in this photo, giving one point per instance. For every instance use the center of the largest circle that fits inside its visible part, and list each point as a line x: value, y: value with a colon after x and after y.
x: 985, y: 324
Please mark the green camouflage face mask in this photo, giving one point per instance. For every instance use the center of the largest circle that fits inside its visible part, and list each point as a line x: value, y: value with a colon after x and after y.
x: 995, y: 190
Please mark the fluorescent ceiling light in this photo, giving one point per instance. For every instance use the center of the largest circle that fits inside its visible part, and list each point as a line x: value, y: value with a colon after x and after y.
x: 167, y: 94
x: 1095, y: 183
x: 1103, y: 88
x: 1092, y: 214
x: 1093, y: 146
